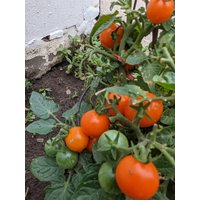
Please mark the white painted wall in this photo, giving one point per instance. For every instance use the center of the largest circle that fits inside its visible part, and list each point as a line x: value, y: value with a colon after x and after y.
x: 44, y: 17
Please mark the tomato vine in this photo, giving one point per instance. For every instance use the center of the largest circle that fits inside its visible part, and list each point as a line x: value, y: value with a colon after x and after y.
x: 99, y: 136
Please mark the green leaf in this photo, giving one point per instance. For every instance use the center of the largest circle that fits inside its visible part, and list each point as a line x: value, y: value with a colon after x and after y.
x: 136, y: 58
x: 166, y: 136
x: 167, y: 25
x: 98, y: 156
x: 42, y: 107
x: 168, y: 117
x: 57, y: 191
x: 167, y: 81
x: 85, y: 159
x: 46, y: 169
x: 159, y: 196
x: 165, y: 167
x: 74, y: 110
x: 149, y: 70
x: 104, y: 22
x: 132, y: 90
x: 41, y: 126
x: 85, y: 186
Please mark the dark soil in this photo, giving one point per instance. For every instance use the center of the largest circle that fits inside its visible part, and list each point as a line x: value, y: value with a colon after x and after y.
x: 60, y: 85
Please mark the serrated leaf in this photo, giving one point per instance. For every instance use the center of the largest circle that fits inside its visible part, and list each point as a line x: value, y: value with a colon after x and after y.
x: 46, y: 169
x: 159, y: 196
x: 104, y: 22
x: 131, y: 90
x: 85, y: 186
x: 166, y: 136
x: 98, y: 156
x: 167, y: 81
x: 149, y: 70
x: 136, y: 58
x: 74, y: 110
x: 42, y: 107
x: 165, y: 167
x: 168, y: 117
x: 57, y: 191
x: 41, y: 126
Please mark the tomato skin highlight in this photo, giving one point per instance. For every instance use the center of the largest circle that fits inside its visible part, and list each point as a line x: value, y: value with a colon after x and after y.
x: 137, y: 180
x: 121, y: 104
x: 94, y: 124
x: 154, y: 110
x: 106, y: 36
x: 159, y: 11
x: 76, y: 140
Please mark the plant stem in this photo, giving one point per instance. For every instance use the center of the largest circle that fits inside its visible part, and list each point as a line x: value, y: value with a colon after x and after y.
x: 80, y: 101
x: 135, y: 3
x: 60, y: 123
x: 156, y: 98
x: 168, y: 59
x: 95, y: 50
x: 154, y: 37
x: 162, y: 149
x: 127, y: 32
x: 135, y: 128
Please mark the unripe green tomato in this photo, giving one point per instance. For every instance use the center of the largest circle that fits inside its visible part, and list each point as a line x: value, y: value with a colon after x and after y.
x: 51, y: 147
x: 105, y: 143
x: 66, y: 159
x: 107, y: 180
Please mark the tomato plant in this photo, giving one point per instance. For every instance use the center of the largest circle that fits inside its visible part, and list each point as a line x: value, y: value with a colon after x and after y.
x: 137, y: 180
x: 76, y: 140
x: 125, y: 116
x: 154, y: 111
x: 94, y: 124
x: 159, y: 11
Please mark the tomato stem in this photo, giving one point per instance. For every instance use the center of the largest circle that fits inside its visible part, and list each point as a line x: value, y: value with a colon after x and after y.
x: 168, y: 59
x: 156, y: 98
x: 163, y: 150
x: 133, y: 126
x: 59, y: 122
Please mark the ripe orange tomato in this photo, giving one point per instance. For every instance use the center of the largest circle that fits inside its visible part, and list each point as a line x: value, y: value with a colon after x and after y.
x: 121, y: 104
x: 94, y: 124
x: 92, y: 140
x: 137, y: 180
x: 76, y: 140
x: 106, y: 36
x: 159, y: 11
x: 154, y: 110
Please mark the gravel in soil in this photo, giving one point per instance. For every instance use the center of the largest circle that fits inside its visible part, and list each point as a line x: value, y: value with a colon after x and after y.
x: 65, y: 90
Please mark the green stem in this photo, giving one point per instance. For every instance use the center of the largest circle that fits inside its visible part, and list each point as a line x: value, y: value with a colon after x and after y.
x: 59, y: 122
x: 127, y: 32
x: 120, y: 117
x: 162, y: 149
x: 156, y: 98
x: 168, y: 59
x: 95, y: 50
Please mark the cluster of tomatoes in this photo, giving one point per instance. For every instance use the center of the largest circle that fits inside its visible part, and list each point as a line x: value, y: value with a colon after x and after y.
x: 134, y: 178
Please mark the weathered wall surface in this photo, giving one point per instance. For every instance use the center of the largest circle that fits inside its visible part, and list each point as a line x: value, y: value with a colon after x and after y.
x: 49, y: 23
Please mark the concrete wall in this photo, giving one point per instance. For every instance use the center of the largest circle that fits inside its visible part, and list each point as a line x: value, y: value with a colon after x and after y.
x: 49, y: 23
